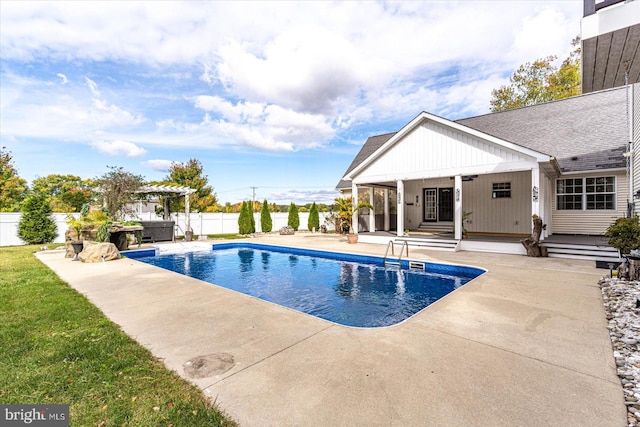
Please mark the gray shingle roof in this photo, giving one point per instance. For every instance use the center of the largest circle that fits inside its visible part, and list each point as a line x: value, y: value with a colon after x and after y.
x: 587, y: 132
x: 369, y: 147
x: 591, y: 128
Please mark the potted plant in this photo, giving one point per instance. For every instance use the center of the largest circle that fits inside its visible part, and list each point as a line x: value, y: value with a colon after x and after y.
x: 346, y: 211
x: 77, y: 224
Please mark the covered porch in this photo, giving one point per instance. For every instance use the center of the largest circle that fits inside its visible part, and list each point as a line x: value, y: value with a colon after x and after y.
x: 495, y: 204
x: 448, y: 177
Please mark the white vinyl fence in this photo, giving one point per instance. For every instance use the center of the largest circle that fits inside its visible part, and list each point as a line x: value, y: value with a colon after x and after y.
x: 201, y: 223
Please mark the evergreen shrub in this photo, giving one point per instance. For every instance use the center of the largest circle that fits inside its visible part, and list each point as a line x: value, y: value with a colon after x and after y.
x: 314, y: 218
x: 294, y: 219
x: 266, y: 222
x: 36, y: 225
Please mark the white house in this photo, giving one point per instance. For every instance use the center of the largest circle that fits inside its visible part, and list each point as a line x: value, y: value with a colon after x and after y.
x: 566, y: 161
x: 571, y: 162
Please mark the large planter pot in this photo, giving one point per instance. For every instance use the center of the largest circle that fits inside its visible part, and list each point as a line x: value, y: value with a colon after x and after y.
x: 352, y: 238
x: 77, y: 248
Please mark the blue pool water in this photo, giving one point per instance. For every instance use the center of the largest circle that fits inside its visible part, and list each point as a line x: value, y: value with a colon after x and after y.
x: 352, y: 290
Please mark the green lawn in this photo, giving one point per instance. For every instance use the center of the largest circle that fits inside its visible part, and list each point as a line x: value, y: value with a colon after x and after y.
x: 56, y: 347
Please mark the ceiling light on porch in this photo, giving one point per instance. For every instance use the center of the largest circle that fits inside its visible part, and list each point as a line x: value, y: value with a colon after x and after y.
x: 466, y: 177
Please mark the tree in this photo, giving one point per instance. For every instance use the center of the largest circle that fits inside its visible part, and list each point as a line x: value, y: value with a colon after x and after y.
x: 265, y: 218
x: 190, y: 174
x: 540, y: 81
x: 244, y: 219
x: 252, y: 218
x: 67, y: 193
x: 346, y: 210
x: 294, y: 219
x: 118, y: 191
x: 13, y: 189
x: 314, y: 218
x: 36, y: 225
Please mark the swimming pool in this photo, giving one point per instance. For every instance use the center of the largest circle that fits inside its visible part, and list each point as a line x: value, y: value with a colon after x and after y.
x: 352, y: 290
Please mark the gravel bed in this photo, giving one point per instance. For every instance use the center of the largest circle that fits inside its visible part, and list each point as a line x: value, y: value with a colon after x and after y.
x: 622, y: 306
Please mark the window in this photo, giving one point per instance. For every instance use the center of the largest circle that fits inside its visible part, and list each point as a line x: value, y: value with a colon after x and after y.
x: 501, y: 190
x: 600, y: 192
x: 595, y: 193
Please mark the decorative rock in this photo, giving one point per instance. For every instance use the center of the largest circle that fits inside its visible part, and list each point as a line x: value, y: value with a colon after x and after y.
x: 287, y: 231
x: 619, y: 297
x: 98, y: 252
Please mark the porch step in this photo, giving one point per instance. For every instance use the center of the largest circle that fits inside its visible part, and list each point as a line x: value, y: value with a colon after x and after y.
x: 435, y: 227
x: 438, y: 244
x: 576, y: 251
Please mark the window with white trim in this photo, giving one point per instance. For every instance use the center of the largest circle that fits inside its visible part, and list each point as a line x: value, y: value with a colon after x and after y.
x: 593, y: 193
x: 501, y: 190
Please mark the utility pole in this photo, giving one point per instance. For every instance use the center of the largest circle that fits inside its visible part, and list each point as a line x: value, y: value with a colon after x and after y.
x: 253, y: 198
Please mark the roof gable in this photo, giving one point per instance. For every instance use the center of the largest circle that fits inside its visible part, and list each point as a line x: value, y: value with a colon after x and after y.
x: 445, y: 126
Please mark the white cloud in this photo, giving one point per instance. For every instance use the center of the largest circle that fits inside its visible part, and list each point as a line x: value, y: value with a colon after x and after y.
x: 326, y: 196
x: 267, y: 127
x: 309, y: 73
x: 159, y: 165
x: 119, y: 148
x: 92, y: 86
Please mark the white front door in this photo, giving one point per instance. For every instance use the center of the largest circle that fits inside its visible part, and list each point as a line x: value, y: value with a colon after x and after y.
x: 430, y: 204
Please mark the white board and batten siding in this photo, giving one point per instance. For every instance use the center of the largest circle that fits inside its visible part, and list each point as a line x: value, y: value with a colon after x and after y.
x: 591, y: 222
x: 433, y: 150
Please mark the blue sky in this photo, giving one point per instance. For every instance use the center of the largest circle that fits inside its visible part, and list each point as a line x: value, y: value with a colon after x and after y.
x: 274, y: 95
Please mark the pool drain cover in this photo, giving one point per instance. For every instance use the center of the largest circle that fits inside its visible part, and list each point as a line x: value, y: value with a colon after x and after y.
x: 209, y: 365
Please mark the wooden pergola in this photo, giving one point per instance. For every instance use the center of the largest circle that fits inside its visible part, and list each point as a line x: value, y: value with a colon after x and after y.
x: 171, y: 189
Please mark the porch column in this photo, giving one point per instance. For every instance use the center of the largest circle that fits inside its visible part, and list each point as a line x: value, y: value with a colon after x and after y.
x: 386, y: 210
x: 537, y: 205
x: 400, y: 215
x: 535, y: 193
x: 354, y: 203
x: 457, y: 207
x: 187, y: 212
x: 372, y: 214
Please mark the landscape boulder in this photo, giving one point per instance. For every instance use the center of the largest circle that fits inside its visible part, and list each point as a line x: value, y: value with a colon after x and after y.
x: 97, y: 252
x: 286, y: 231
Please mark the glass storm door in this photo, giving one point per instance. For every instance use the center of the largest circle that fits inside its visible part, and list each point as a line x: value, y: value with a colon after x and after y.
x: 445, y: 204
x: 430, y: 204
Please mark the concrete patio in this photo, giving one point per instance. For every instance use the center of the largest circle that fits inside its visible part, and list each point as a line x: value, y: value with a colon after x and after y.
x: 525, y: 344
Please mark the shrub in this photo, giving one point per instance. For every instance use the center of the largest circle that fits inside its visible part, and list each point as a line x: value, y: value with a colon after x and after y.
x: 624, y: 234
x: 244, y: 223
x: 314, y: 218
x: 252, y: 218
x: 36, y: 225
x: 294, y: 219
x: 265, y: 218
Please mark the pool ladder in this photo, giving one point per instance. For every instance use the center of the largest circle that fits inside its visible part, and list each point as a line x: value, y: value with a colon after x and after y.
x: 395, y: 261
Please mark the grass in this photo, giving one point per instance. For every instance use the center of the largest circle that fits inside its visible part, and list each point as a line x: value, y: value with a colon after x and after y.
x: 232, y: 236
x: 59, y: 348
